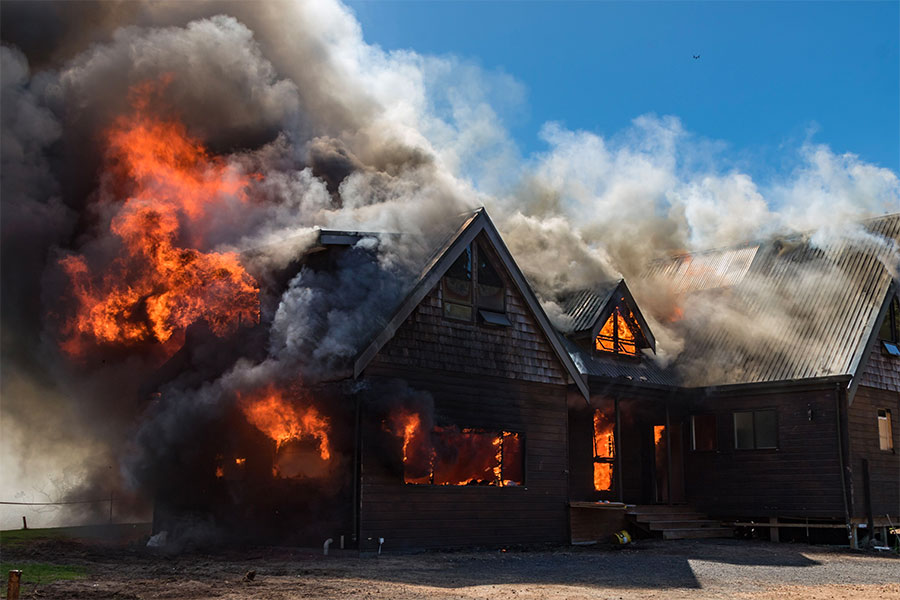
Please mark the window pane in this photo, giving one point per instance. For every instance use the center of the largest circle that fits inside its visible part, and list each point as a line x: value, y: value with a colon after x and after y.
x: 467, y: 457
x: 457, y: 311
x: 703, y: 432
x: 743, y: 430
x: 766, y: 427
x: 603, y: 472
x: 885, y: 437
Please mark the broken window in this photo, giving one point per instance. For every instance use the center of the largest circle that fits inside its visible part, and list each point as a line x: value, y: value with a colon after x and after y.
x: 885, y: 434
x: 604, y: 452
x: 617, y: 335
x: 453, y: 456
x: 703, y: 432
x: 754, y: 430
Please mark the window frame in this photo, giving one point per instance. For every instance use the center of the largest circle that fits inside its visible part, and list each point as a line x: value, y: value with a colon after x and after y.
x: 617, y: 351
x: 494, y: 318
x: 755, y: 435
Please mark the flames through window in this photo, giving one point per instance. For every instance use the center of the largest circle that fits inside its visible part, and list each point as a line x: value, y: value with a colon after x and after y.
x: 449, y: 455
x: 617, y: 335
x: 604, y: 452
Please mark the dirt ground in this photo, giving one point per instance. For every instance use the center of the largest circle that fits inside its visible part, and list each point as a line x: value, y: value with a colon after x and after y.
x: 694, y: 569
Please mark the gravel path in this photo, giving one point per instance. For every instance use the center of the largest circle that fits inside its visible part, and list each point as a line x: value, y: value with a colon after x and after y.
x: 648, y: 569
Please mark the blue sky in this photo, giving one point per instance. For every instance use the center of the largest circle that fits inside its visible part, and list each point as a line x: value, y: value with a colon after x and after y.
x: 770, y: 76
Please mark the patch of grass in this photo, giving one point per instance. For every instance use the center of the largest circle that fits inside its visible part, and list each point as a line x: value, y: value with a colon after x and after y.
x: 19, y: 537
x: 41, y: 573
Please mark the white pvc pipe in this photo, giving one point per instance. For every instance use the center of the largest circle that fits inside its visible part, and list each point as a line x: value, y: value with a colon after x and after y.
x: 325, y: 546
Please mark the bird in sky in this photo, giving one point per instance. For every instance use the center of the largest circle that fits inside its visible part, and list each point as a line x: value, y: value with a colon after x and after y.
x: 696, y: 56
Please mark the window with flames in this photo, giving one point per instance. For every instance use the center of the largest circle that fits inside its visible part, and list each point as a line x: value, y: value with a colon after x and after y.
x: 449, y: 455
x: 617, y: 334
x: 604, y: 452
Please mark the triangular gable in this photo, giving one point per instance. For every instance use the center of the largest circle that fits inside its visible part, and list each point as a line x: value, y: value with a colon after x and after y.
x: 594, y: 308
x: 871, y: 345
x: 436, y: 268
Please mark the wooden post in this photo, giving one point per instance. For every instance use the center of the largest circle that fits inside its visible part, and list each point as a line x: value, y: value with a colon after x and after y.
x: 618, y: 450
x: 12, y: 585
x: 773, y: 530
x: 24, y: 522
x: 668, y: 456
x: 867, y: 495
x: 854, y: 536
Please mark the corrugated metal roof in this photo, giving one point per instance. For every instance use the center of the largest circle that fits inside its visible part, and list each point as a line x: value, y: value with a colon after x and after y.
x: 583, y: 308
x: 782, y: 310
x: 596, y: 364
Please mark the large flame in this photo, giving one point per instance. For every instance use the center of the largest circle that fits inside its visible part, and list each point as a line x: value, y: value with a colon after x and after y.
x: 284, y: 421
x: 160, y: 282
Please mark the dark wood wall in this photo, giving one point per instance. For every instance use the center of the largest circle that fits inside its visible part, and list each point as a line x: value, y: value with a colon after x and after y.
x: 801, y: 478
x: 424, y: 516
x: 495, y: 378
x: 884, y: 465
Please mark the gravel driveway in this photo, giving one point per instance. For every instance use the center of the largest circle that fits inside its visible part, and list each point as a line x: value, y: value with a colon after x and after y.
x: 647, y: 569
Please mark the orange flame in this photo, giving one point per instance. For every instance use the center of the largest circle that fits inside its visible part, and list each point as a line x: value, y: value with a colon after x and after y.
x: 604, y: 451
x: 283, y: 421
x: 658, y: 432
x: 157, y: 286
x: 450, y: 456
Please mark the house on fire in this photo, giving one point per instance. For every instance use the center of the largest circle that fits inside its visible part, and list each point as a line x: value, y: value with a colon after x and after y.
x: 780, y: 412
x: 448, y: 428
x: 468, y: 418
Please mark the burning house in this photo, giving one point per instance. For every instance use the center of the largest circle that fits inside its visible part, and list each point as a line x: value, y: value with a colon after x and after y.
x: 746, y: 426
x: 447, y: 426
x: 245, y: 279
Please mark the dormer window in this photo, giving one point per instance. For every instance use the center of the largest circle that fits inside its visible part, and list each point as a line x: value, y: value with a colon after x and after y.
x: 617, y: 336
x: 472, y: 284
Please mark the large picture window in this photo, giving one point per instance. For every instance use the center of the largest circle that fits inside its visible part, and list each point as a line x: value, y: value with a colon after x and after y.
x: 755, y: 430
x: 449, y: 455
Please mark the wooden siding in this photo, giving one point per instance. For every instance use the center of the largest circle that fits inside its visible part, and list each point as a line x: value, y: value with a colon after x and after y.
x: 801, y: 478
x: 882, y: 370
x: 884, y: 465
x: 428, y: 340
x: 424, y: 516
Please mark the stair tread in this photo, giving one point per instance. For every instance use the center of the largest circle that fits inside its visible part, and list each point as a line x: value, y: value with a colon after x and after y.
x: 704, y: 532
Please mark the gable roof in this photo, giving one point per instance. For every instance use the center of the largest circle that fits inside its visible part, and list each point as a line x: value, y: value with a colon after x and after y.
x: 478, y: 222
x: 588, y: 310
x: 821, y: 304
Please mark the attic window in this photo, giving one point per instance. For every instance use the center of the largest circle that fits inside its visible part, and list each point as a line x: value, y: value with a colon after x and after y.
x: 457, y: 287
x: 467, y: 289
x: 617, y: 336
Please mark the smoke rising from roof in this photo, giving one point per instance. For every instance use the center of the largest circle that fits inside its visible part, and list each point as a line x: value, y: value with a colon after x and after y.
x: 333, y: 133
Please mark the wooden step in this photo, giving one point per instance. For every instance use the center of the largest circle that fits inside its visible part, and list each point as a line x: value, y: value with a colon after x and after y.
x: 651, y: 509
x: 691, y: 524
x: 644, y: 518
x: 702, y: 532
